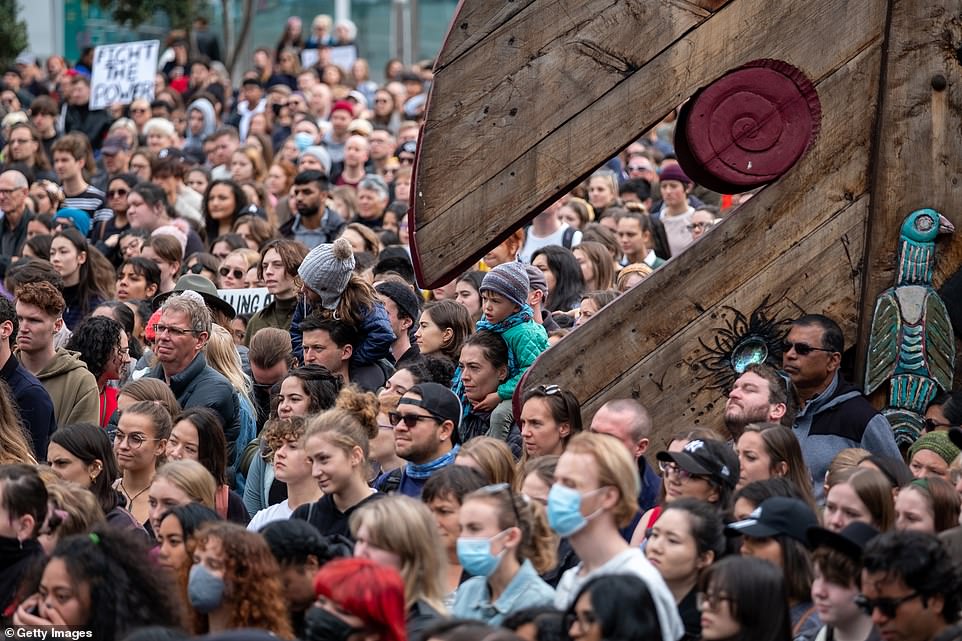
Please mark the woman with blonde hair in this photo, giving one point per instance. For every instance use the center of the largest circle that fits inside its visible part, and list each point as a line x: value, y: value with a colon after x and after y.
x: 337, y: 444
x: 631, y: 275
x: 247, y: 163
x: 222, y: 356
x: 491, y: 457
x: 505, y: 544
x: 401, y: 532
x: 179, y: 483
x: 234, y: 267
x: 72, y: 509
x: 577, y: 212
x: 14, y: 439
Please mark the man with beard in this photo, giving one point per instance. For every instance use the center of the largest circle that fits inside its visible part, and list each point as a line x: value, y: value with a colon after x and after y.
x: 759, y: 395
x: 314, y: 223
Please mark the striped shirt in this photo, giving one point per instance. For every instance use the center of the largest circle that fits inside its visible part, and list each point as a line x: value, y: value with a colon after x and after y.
x: 93, y: 201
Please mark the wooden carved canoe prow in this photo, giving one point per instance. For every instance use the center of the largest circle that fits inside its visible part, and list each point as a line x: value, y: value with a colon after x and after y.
x: 529, y: 97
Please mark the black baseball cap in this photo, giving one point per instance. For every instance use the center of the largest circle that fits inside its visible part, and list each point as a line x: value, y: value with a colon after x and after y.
x: 437, y: 399
x: 707, y: 457
x: 777, y: 516
x: 851, y: 541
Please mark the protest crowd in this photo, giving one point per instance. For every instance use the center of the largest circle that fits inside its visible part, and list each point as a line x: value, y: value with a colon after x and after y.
x: 227, y: 408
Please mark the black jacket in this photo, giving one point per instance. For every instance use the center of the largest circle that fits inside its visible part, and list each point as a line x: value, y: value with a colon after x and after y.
x: 36, y: 408
x: 200, y: 385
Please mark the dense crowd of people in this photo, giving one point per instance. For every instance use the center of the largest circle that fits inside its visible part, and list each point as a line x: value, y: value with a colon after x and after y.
x: 345, y: 463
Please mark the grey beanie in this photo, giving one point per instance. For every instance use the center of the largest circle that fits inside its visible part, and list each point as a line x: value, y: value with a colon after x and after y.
x: 510, y: 280
x: 322, y: 155
x: 327, y: 269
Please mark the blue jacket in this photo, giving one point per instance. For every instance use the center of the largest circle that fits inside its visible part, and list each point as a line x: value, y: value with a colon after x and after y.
x: 33, y: 401
x: 526, y: 590
x: 376, y: 334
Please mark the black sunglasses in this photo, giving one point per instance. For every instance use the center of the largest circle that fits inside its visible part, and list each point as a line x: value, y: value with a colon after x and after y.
x: 803, y: 349
x: 930, y: 424
x: 887, y: 607
x: 224, y: 271
x: 410, y: 420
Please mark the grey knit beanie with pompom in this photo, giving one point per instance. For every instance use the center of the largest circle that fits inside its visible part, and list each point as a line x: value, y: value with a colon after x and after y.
x: 327, y: 269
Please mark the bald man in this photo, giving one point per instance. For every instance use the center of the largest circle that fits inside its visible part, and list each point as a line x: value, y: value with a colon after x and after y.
x: 13, y: 204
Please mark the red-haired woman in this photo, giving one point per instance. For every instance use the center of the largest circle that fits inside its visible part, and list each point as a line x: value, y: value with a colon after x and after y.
x: 357, y: 599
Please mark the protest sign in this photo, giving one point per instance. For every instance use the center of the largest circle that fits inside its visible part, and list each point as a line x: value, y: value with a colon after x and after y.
x: 309, y: 57
x: 344, y: 56
x: 123, y: 73
x: 246, y: 301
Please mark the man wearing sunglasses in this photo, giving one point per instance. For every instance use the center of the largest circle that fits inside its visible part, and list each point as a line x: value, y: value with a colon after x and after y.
x: 425, y: 425
x: 833, y: 414
x: 910, y: 587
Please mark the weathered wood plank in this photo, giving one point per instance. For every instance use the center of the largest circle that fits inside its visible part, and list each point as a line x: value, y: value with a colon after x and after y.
x: 666, y: 381
x: 539, y: 71
x: 919, y: 150
x: 473, y: 22
x: 778, y: 230
x: 560, y: 147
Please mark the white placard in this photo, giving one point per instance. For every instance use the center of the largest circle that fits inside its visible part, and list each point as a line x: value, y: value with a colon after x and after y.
x: 344, y: 56
x: 309, y: 57
x: 246, y: 301
x: 123, y: 73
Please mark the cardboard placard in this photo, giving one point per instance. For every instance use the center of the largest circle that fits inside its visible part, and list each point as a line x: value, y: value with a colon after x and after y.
x: 246, y: 301
x: 123, y: 73
x: 344, y: 56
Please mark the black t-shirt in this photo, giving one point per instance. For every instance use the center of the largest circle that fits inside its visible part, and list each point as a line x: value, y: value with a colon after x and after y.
x: 325, y: 516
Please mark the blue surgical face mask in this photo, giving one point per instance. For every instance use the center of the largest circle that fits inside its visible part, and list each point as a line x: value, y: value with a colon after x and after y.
x: 204, y: 589
x: 303, y: 140
x: 564, y: 510
x: 475, y: 555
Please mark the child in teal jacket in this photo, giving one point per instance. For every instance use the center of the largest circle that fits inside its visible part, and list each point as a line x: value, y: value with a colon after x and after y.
x: 505, y: 310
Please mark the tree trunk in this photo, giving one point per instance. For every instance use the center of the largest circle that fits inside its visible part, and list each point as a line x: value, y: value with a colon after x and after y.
x: 245, y: 29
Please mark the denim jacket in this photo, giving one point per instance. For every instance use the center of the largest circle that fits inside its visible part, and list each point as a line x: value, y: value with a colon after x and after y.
x: 526, y: 590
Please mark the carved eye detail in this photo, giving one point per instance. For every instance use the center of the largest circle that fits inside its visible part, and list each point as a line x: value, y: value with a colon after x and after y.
x: 924, y: 223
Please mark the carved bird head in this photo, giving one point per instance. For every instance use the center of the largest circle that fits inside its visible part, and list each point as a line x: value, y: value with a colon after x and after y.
x: 923, y: 225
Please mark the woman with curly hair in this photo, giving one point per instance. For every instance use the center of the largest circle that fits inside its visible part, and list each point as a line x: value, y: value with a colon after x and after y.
x: 102, y: 582
x: 235, y: 583
x: 105, y: 348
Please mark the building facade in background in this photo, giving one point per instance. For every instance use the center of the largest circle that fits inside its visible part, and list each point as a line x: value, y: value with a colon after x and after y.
x: 407, y: 29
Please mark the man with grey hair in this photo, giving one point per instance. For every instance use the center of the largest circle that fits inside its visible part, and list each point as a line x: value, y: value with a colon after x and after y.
x: 628, y: 421
x: 13, y: 204
x: 182, y: 333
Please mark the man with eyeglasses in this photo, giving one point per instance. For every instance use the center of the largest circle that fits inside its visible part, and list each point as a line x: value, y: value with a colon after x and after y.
x: 833, y: 413
x: 425, y: 425
x: 181, y: 334
x: 16, y: 217
x: 33, y: 401
x: 382, y: 143
x: 71, y: 386
x: 911, y: 588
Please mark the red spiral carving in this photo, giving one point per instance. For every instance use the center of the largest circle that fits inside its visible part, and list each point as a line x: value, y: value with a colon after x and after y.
x: 749, y: 127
